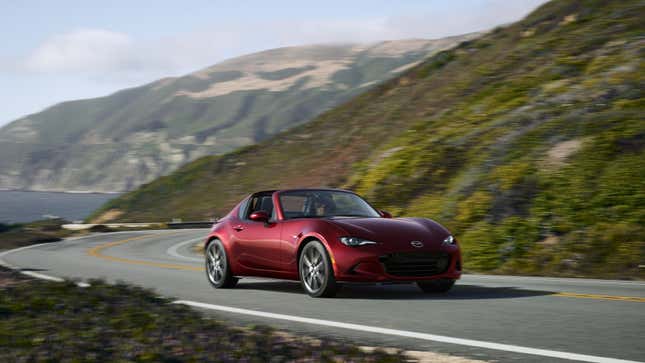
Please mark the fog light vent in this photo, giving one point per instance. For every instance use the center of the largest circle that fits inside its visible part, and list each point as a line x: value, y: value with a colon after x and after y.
x: 416, y: 264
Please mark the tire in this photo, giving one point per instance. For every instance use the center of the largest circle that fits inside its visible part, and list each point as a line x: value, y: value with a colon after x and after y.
x: 218, y: 270
x: 316, y: 272
x: 436, y: 286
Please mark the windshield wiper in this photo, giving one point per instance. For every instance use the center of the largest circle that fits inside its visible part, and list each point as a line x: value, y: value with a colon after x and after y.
x: 349, y: 216
x: 335, y: 216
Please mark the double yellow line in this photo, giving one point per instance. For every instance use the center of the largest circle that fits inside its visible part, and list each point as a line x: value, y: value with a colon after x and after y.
x: 599, y: 297
x: 96, y: 252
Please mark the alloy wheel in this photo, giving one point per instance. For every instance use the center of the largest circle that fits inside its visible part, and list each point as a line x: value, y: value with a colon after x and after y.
x: 314, y: 270
x: 215, y: 263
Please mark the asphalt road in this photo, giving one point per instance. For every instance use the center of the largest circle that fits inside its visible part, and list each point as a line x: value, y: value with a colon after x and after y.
x: 500, y: 318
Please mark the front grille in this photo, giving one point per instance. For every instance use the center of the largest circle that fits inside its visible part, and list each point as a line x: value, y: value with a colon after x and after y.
x: 416, y: 263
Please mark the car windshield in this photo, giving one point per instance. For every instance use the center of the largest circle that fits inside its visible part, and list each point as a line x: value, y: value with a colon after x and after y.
x: 324, y: 204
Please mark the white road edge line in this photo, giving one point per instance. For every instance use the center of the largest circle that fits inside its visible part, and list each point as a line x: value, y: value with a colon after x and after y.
x: 42, y: 276
x: 37, y: 274
x: 173, y: 250
x: 410, y: 334
x: 32, y: 273
x: 28, y: 273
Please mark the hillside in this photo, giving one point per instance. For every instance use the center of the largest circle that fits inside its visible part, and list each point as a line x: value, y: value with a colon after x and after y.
x: 118, y: 142
x: 526, y: 142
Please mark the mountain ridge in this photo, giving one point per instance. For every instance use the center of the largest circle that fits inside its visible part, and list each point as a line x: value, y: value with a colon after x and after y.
x: 116, y: 142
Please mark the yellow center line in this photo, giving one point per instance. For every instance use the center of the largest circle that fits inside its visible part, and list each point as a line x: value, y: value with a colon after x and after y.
x: 600, y: 297
x: 96, y: 252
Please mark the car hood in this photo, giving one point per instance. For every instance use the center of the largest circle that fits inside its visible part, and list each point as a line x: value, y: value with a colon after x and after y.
x: 394, y: 231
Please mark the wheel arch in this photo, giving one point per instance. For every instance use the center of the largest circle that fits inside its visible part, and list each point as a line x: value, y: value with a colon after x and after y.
x: 315, y: 237
x: 210, y: 239
x: 227, y: 249
x: 213, y: 237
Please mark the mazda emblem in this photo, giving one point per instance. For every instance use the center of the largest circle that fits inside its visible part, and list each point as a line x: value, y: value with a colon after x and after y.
x: 417, y: 244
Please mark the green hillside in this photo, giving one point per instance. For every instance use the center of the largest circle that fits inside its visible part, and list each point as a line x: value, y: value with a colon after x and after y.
x: 117, y: 142
x: 527, y: 143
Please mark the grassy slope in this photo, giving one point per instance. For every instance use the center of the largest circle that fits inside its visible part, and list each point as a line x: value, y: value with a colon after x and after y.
x: 527, y: 142
x: 53, y: 322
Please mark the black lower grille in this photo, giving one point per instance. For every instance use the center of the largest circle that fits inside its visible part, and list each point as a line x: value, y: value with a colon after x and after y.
x: 415, y: 263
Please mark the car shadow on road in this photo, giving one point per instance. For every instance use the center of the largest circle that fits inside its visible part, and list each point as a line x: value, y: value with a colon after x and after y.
x: 33, y: 270
x: 399, y: 291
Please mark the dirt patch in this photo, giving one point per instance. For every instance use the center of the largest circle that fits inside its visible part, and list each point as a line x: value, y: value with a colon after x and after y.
x: 430, y: 357
x: 569, y: 19
x: 415, y: 355
x: 405, y: 67
x: 318, y: 76
x: 10, y: 277
x: 559, y: 153
x: 198, y: 247
x: 385, y: 154
x: 550, y: 241
x: 109, y: 215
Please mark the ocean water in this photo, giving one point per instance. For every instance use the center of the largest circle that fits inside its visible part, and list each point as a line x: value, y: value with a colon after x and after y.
x: 19, y: 206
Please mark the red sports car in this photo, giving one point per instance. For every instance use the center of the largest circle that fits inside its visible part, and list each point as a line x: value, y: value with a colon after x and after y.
x: 324, y: 237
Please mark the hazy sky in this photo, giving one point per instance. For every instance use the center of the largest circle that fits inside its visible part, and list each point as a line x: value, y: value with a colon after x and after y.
x: 60, y: 50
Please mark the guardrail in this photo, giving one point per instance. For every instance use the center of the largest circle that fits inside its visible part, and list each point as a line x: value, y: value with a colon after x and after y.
x: 82, y: 226
x: 171, y: 225
x: 194, y: 224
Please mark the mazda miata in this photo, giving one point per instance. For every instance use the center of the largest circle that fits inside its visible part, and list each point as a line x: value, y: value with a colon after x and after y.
x: 324, y: 237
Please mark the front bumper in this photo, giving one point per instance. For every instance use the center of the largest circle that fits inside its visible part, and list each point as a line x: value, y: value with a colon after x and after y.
x: 362, y: 265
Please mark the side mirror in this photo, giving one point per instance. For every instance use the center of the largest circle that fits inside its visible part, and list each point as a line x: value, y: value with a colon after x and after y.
x: 259, y: 216
x: 385, y: 214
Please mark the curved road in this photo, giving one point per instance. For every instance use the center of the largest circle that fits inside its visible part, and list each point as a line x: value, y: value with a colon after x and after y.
x: 500, y: 318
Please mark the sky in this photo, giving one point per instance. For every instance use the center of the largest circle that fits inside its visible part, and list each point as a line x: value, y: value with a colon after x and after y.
x: 53, y: 51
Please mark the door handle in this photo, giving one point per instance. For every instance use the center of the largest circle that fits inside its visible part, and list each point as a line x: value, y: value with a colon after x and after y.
x: 238, y: 228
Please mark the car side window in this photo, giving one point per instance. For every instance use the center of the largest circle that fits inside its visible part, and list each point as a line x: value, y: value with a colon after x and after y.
x: 252, y: 207
x: 258, y: 203
x: 241, y: 213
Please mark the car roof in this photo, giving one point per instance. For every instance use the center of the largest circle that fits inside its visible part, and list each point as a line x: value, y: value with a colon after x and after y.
x: 315, y: 189
x: 302, y: 190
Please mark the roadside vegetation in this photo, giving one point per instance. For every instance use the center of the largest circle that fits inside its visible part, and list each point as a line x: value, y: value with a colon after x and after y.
x: 23, y: 234
x: 527, y: 142
x: 51, y: 230
x: 61, y: 322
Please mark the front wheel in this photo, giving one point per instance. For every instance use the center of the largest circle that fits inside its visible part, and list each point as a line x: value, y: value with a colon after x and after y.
x: 316, y: 273
x: 218, y: 270
x: 436, y: 286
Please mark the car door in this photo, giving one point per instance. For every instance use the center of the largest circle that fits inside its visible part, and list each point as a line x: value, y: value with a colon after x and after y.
x: 292, y: 206
x: 258, y: 243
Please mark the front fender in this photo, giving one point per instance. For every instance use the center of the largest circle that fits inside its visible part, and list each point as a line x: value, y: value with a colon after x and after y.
x: 318, y: 236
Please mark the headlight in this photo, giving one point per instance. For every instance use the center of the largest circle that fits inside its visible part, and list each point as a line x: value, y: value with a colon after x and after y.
x: 450, y: 240
x: 355, y: 241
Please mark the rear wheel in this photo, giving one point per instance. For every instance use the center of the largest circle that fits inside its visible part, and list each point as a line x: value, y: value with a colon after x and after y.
x: 436, y: 286
x: 218, y: 270
x: 316, y: 273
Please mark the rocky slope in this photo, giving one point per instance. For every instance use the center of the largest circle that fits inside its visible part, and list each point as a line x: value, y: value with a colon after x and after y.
x: 528, y: 143
x: 117, y: 142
